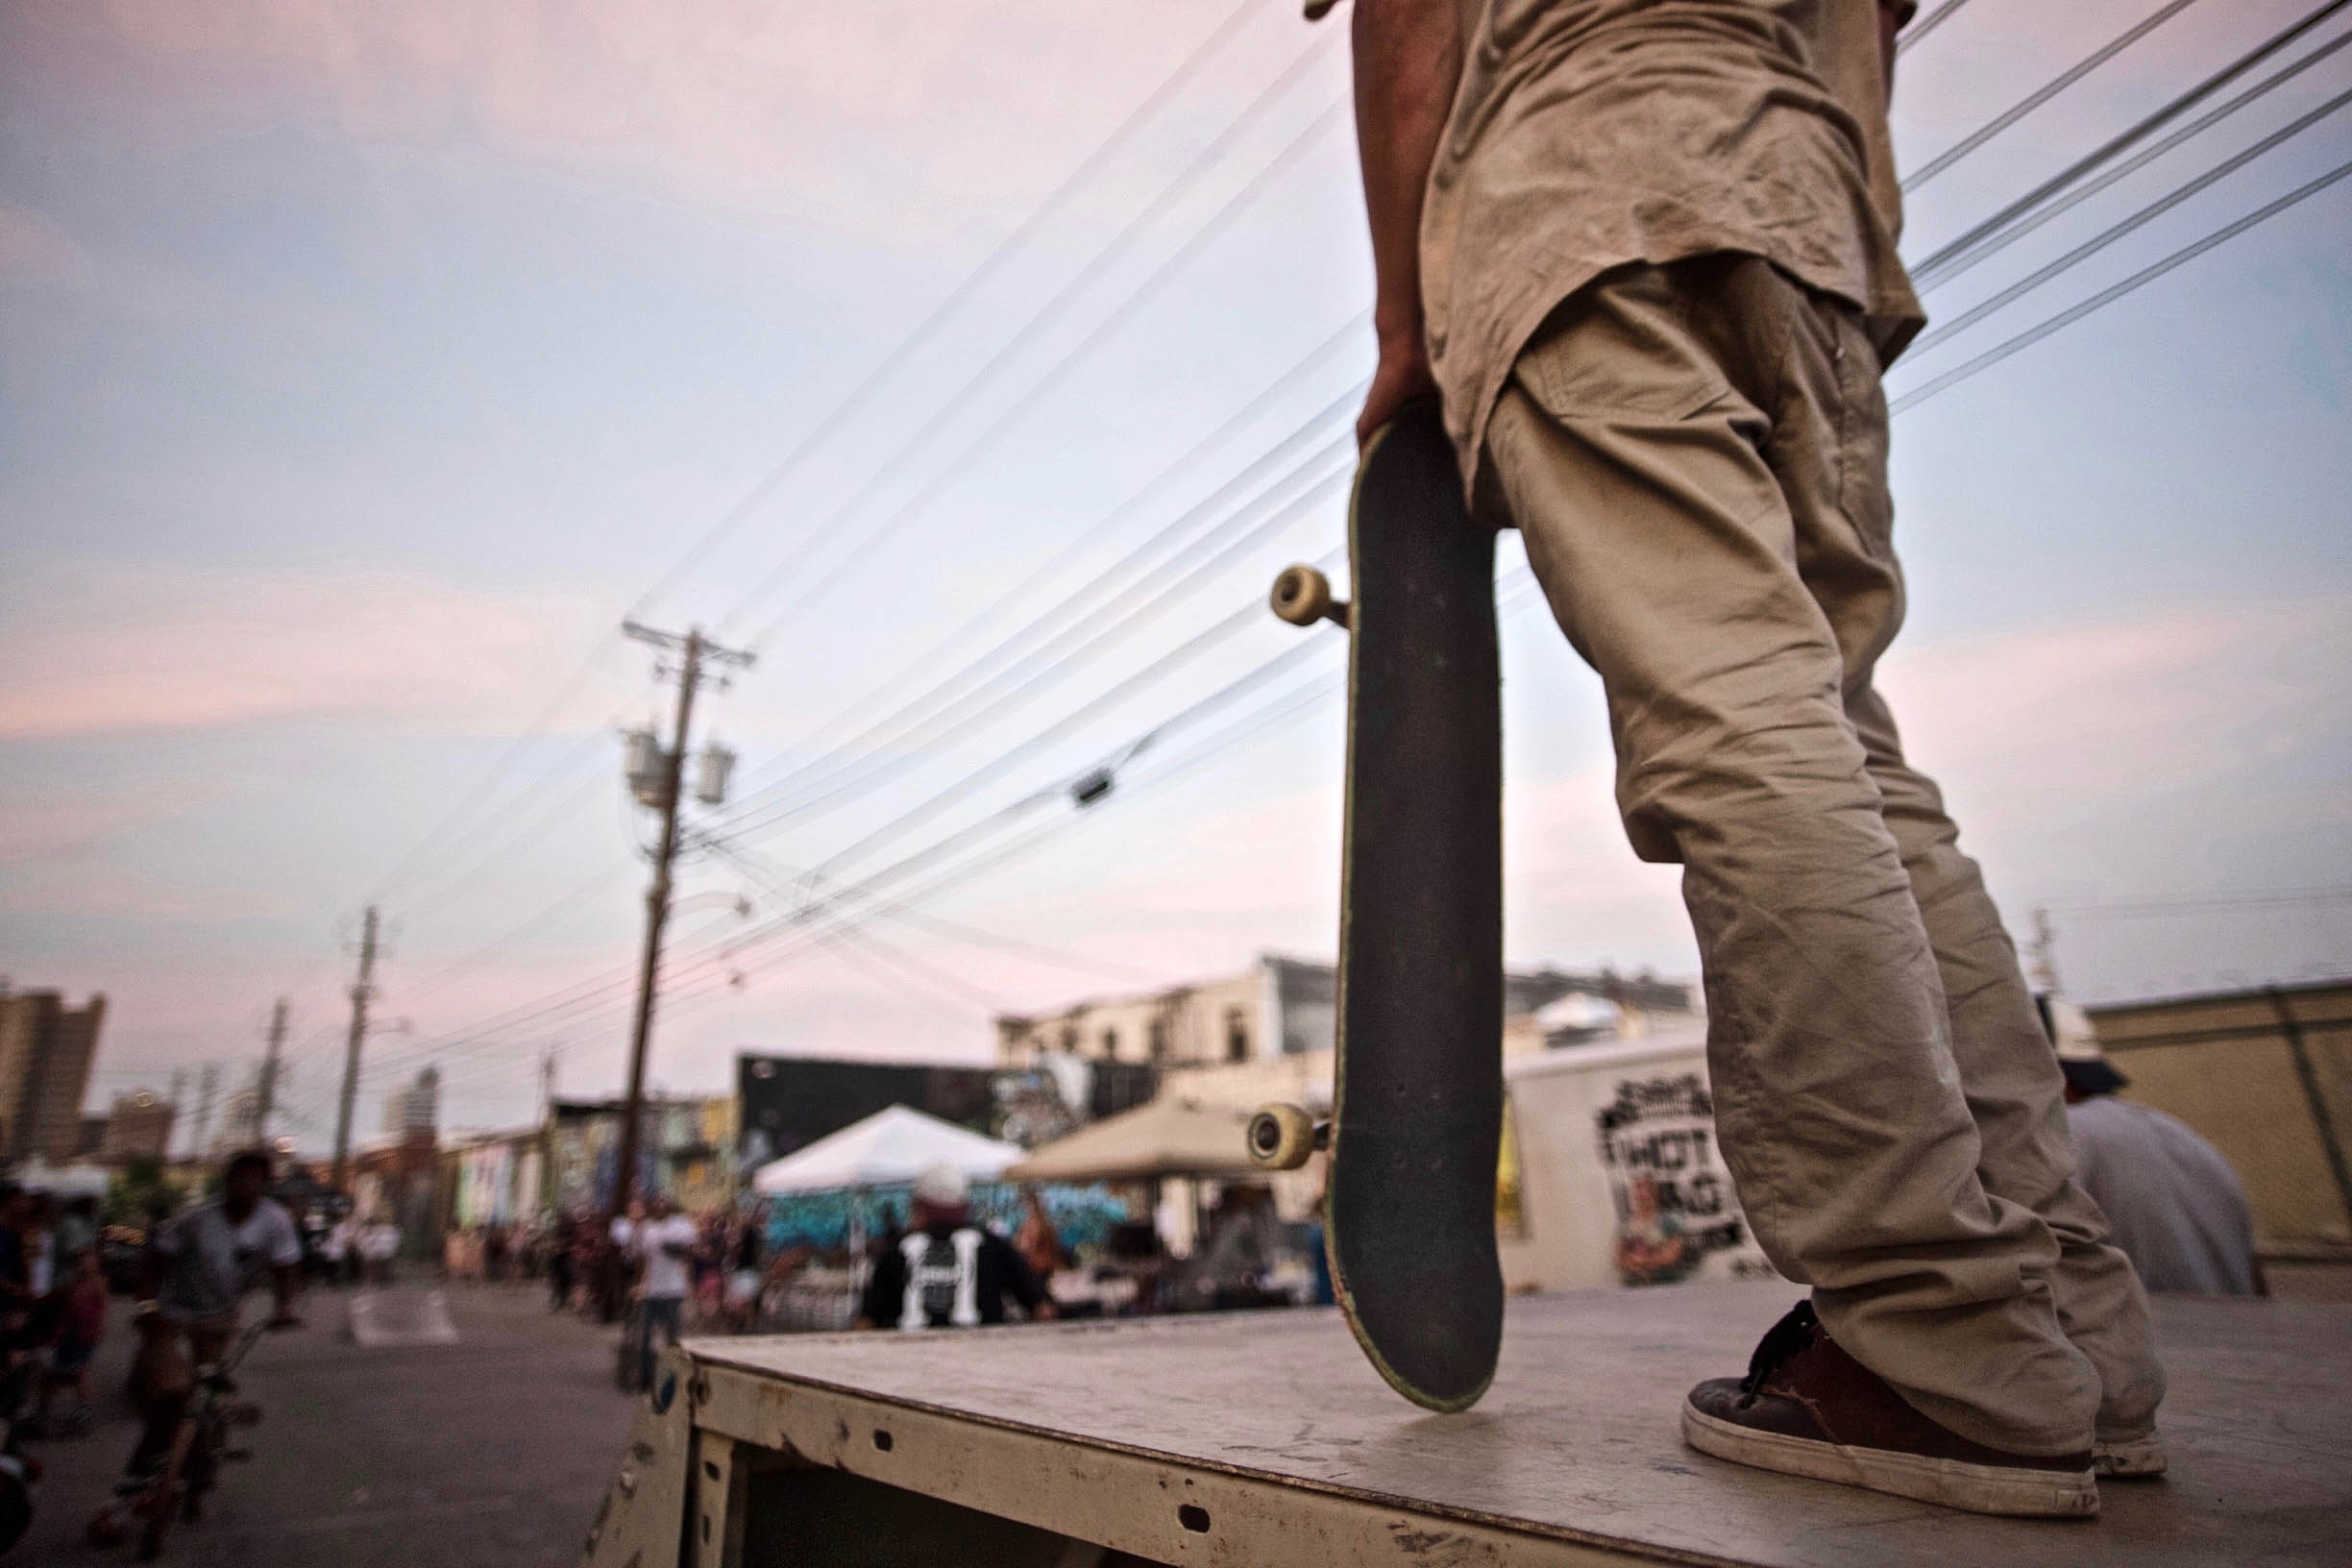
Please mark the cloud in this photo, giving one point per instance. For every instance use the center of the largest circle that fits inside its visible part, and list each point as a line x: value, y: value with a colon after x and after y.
x: 84, y: 888
x: 34, y: 248
x: 43, y: 827
x: 96, y: 649
x: 2067, y: 722
x: 808, y: 108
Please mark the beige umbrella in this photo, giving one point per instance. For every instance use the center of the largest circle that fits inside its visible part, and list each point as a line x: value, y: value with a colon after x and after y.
x: 1167, y: 1138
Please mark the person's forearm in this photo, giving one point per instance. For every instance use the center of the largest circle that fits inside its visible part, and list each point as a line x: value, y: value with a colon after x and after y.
x: 1407, y: 60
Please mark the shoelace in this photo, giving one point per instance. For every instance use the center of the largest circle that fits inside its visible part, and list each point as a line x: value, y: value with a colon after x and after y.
x: 1783, y: 1339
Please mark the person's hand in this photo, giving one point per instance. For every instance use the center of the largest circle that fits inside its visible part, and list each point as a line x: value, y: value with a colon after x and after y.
x: 283, y: 1320
x: 1401, y: 375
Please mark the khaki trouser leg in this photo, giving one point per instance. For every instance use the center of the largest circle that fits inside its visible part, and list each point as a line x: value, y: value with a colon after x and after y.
x: 2015, y: 1092
x: 1696, y: 456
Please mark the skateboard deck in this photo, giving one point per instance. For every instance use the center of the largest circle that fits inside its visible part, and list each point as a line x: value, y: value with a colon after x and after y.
x: 1417, y: 1101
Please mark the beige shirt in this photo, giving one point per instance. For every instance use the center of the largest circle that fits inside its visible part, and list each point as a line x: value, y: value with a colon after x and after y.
x: 1589, y: 133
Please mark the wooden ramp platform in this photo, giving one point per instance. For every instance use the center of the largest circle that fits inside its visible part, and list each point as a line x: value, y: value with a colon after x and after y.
x: 1264, y: 1439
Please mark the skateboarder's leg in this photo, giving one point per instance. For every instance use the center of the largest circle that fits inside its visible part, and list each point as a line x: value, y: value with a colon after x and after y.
x: 1631, y: 447
x: 2012, y: 1081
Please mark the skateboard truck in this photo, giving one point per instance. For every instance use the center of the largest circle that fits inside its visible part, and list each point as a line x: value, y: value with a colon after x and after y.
x: 1302, y: 595
x: 1282, y: 1136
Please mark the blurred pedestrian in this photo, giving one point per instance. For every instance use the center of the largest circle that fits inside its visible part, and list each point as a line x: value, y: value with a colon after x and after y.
x: 16, y: 1289
x: 2172, y: 1202
x: 743, y: 1280
x: 337, y: 1248
x: 559, y: 1261
x: 81, y: 1326
x: 948, y: 1272
x: 77, y: 1227
x: 1037, y: 1241
x: 379, y: 1244
x: 664, y: 1241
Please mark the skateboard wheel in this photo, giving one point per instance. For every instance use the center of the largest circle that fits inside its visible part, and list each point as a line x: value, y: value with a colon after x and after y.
x: 1280, y: 1138
x: 1302, y: 595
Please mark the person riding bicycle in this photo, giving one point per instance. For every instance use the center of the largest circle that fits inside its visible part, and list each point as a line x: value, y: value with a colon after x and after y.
x: 189, y: 1283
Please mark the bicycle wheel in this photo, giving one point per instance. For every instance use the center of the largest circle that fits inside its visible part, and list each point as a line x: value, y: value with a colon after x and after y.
x: 162, y: 1504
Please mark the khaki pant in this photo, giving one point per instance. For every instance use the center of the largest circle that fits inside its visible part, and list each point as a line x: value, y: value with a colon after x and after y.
x: 1697, y: 458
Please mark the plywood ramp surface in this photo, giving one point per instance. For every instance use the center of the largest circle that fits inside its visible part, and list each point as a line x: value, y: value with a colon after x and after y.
x: 1578, y: 1440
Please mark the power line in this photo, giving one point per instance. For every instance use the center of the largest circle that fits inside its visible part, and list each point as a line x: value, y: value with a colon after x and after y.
x: 1021, y: 407
x: 2044, y: 95
x: 762, y: 870
x: 1926, y: 24
x: 1070, y: 551
x: 1061, y: 727
x: 2219, y: 902
x: 2135, y: 221
x: 1033, y: 676
x: 955, y: 300
x: 2108, y: 296
x: 1958, y: 255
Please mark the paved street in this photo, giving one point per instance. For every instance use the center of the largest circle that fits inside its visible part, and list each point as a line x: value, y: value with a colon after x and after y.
x: 493, y: 1450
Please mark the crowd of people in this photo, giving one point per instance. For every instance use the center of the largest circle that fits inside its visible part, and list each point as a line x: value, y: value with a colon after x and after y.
x: 53, y: 1305
x: 716, y: 1267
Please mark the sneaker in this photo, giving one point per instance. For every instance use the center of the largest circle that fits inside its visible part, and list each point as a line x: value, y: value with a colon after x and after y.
x: 2129, y: 1459
x: 1807, y: 1409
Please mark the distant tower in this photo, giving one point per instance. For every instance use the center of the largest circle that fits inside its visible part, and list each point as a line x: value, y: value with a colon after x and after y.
x: 45, y: 1052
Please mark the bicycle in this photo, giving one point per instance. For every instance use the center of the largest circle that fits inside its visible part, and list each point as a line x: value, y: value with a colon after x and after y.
x: 191, y: 1467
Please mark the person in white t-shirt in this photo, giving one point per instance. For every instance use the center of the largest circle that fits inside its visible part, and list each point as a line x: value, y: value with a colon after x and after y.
x: 662, y: 1244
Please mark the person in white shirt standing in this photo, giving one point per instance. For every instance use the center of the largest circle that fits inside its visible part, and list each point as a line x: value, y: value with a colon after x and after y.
x: 190, y: 1284
x: 662, y: 1244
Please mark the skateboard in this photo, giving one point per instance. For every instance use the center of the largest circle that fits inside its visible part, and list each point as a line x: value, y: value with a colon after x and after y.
x: 1416, y: 1114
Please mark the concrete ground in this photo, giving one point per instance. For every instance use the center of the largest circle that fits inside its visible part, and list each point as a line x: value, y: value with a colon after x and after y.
x: 495, y: 1449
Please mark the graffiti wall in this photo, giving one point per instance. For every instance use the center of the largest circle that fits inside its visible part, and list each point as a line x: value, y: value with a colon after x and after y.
x: 1621, y: 1180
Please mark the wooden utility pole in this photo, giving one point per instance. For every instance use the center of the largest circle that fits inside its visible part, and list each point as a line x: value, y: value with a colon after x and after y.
x: 266, y: 1090
x: 180, y: 1118
x: 695, y: 654
x: 361, y: 991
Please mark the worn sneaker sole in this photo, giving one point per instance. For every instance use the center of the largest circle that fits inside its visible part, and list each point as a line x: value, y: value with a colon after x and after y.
x: 1956, y: 1483
x: 2129, y: 1459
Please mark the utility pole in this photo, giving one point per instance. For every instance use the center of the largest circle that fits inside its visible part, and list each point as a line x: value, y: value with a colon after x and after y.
x: 179, y: 1099
x: 362, y: 990
x: 695, y: 654
x: 265, y: 1092
x: 205, y: 1083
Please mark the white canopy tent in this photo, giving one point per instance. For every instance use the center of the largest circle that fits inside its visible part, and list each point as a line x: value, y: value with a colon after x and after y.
x: 888, y: 1148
